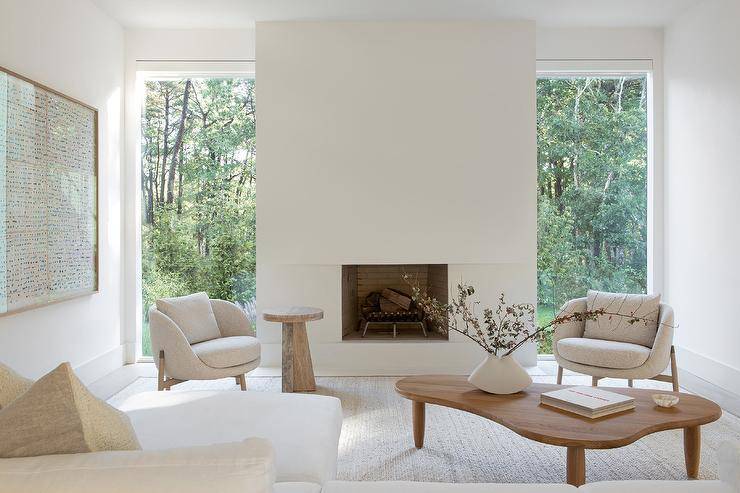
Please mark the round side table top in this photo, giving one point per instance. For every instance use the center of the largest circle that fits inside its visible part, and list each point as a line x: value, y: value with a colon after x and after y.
x: 292, y: 314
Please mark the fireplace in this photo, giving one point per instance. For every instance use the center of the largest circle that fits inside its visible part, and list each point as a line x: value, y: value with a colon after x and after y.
x: 376, y: 301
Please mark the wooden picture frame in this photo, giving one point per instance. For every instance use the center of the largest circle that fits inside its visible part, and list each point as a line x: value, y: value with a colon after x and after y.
x: 53, y: 138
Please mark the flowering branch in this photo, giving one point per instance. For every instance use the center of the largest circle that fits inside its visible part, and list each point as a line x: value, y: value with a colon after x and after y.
x: 501, y: 331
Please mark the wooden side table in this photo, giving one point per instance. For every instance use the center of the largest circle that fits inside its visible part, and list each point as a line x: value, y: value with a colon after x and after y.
x: 297, y: 366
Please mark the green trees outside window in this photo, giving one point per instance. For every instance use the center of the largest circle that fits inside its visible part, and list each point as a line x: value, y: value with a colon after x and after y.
x: 592, y: 188
x: 198, y: 191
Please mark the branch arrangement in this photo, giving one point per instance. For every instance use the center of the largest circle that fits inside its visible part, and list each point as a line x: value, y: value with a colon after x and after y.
x: 500, y: 331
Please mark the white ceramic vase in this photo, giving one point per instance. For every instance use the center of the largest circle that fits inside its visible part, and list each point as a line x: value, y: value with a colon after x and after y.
x: 500, y: 375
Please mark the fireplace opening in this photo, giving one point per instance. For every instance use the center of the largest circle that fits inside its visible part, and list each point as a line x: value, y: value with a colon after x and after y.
x: 377, y: 304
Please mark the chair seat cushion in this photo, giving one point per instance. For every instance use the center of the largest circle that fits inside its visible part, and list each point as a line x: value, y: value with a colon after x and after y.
x: 226, y: 352
x: 605, y: 354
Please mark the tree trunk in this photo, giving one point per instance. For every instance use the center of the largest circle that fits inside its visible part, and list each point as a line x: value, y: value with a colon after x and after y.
x: 160, y: 197
x: 178, y: 143
x: 620, y: 92
x: 179, y: 182
x: 150, y: 199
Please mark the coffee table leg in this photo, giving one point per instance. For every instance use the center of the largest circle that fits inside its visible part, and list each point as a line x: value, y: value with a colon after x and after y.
x: 417, y: 416
x: 692, y: 450
x: 576, y: 466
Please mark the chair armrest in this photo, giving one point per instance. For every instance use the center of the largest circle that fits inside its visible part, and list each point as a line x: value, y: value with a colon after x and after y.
x: 661, y: 351
x: 574, y: 328
x: 167, y: 336
x: 231, y: 320
x: 729, y: 464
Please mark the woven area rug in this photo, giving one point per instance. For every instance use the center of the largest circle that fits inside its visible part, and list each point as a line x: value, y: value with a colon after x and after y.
x: 376, y: 442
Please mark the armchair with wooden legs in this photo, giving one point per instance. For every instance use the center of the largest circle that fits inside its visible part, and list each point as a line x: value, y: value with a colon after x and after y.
x: 613, y: 359
x: 183, y: 352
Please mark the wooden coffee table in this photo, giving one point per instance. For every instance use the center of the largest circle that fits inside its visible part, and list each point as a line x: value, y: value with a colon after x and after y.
x: 523, y: 414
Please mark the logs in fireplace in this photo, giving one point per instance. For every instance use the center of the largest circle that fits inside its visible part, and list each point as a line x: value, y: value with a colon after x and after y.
x: 391, y: 307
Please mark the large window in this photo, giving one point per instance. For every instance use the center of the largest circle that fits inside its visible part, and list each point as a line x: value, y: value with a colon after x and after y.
x: 198, y: 191
x: 592, y: 188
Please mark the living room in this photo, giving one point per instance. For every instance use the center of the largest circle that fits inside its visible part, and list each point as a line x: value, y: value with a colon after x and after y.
x: 257, y: 243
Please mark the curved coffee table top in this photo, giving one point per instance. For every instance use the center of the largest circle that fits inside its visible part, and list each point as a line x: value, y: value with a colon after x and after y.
x: 523, y: 413
x: 293, y: 314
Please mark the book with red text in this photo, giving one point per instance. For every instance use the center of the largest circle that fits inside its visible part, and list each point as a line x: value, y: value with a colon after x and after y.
x: 591, y: 402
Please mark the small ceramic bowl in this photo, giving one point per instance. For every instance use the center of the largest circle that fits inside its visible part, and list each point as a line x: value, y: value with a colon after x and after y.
x: 665, y: 400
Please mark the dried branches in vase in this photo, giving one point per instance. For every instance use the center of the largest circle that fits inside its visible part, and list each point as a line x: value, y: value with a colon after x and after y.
x: 501, y: 331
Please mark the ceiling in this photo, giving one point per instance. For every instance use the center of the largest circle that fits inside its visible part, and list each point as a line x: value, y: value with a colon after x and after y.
x: 234, y: 14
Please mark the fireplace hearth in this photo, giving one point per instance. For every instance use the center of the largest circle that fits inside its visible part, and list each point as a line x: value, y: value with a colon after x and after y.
x: 377, y: 304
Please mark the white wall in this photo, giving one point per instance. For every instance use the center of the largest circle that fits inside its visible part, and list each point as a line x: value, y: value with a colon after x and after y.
x: 702, y: 74
x: 72, y: 47
x: 393, y: 142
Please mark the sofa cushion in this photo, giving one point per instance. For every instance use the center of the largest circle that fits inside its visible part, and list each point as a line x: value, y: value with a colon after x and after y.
x: 616, y: 324
x: 11, y: 385
x: 228, y: 351
x: 293, y: 423
x: 657, y: 487
x: 606, y: 354
x: 58, y: 415
x: 296, y: 488
x: 414, y: 487
x: 193, y: 314
x: 246, y: 467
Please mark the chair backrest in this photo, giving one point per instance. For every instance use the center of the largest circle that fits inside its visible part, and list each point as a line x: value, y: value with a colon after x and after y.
x: 631, y: 318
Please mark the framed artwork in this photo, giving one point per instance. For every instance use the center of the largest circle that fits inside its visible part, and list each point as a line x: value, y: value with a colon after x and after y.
x: 48, y: 195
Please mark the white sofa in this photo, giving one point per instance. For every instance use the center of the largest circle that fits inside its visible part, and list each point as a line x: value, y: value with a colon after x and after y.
x: 304, y: 431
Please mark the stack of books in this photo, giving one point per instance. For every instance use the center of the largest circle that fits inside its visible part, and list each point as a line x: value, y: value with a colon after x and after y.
x: 590, y: 402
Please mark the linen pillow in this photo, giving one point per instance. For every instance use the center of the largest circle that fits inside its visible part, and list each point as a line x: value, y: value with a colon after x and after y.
x: 11, y: 385
x: 617, y: 327
x: 243, y: 467
x: 193, y: 314
x: 58, y: 415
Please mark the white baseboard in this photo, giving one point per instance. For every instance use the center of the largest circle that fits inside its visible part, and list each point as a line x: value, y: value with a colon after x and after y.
x: 385, y: 358
x: 714, y: 372
x: 121, y: 377
x: 100, y: 366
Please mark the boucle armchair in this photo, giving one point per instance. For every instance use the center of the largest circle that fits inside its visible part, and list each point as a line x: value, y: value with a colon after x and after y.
x: 194, y: 338
x: 602, y: 358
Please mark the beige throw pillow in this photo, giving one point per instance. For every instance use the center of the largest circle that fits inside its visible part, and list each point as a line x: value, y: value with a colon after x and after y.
x: 58, y: 415
x: 193, y: 314
x: 615, y: 325
x: 12, y: 385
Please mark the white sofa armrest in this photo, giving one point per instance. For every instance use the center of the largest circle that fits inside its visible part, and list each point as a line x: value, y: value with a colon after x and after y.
x: 729, y: 464
x: 242, y: 467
